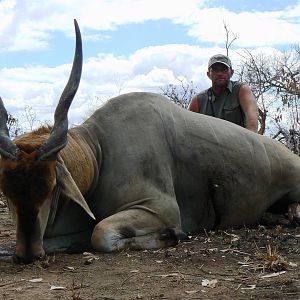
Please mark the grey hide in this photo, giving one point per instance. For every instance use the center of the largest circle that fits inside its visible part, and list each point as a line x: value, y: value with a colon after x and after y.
x: 154, y: 156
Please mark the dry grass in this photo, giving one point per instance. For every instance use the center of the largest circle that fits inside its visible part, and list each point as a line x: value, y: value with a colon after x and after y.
x: 271, y: 260
x: 76, y: 290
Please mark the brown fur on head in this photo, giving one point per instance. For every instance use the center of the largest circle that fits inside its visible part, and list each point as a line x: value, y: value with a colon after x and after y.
x: 33, y: 140
x: 28, y: 167
x: 27, y: 181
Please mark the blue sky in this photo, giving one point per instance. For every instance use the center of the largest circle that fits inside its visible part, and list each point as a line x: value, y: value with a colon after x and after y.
x: 129, y: 45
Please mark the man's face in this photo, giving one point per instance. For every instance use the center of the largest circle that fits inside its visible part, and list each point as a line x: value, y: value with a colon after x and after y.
x: 219, y: 74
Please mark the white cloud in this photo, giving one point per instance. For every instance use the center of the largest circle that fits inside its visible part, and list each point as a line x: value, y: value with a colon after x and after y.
x: 27, y: 24
x: 103, y: 77
x: 253, y: 29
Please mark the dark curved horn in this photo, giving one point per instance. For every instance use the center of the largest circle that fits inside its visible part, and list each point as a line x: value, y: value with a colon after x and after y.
x: 58, y: 136
x: 8, y: 149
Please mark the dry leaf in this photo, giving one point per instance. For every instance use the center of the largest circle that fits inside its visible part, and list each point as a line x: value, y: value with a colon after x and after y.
x: 54, y: 287
x: 233, y: 236
x: 243, y: 264
x: 213, y: 250
x: 192, y: 292
x: 134, y: 271
x: 209, y: 283
x: 36, y: 280
x: 168, y: 275
x: 272, y: 274
x: 89, y: 258
x: 250, y: 287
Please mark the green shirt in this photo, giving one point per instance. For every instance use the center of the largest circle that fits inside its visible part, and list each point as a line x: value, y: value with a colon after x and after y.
x: 226, y: 106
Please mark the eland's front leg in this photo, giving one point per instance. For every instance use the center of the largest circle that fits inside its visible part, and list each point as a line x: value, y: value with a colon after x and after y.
x: 135, y: 229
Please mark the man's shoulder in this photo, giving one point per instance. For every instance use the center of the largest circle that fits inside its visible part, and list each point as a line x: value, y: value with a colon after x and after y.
x: 237, y: 83
x: 203, y: 92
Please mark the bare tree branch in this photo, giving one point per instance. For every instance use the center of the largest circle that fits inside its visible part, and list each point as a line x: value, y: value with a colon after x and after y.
x: 180, y: 94
x: 228, y: 41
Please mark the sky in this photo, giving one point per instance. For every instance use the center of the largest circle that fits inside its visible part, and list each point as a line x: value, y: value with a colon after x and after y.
x: 128, y: 45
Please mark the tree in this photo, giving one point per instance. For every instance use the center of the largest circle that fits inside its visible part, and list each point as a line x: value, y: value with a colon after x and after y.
x: 254, y: 70
x: 30, y: 115
x: 229, y: 41
x: 180, y: 94
x: 275, y: 82
x: 13, y: 126
x: 290, y: 138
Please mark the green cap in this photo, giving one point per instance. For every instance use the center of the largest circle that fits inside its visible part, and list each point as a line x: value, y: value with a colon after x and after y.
x: 220, y: 58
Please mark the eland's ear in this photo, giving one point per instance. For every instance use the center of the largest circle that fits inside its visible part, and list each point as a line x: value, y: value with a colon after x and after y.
x: 69, y: 188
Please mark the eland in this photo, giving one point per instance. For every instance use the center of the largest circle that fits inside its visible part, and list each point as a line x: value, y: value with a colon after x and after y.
x: 140, y: 173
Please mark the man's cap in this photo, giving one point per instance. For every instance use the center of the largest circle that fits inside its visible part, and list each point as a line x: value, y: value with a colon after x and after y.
x: 220, y: 58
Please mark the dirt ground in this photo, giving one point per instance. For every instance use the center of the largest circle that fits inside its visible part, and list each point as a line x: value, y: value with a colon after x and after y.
x: 258, y: 263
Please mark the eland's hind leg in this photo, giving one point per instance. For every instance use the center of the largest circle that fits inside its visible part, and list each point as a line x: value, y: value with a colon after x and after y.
x: 294, y: 206
x: 294, y: 213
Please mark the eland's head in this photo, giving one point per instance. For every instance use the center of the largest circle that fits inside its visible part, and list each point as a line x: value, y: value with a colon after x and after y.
x: 28, y: 168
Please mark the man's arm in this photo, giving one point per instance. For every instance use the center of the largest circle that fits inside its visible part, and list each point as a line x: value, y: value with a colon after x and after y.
x: 194, y: 105
x: 249, y: 107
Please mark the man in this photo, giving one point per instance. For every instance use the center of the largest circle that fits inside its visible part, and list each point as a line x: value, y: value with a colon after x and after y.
x: 229, y: 100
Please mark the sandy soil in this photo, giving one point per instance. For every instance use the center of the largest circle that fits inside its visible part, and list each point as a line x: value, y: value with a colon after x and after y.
x: 258, y: 263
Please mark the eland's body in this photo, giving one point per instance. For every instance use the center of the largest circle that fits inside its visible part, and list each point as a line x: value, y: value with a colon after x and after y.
x: 138, y: 173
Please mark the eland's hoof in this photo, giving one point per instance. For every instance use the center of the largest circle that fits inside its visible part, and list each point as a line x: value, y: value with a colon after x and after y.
x: 294, y: 214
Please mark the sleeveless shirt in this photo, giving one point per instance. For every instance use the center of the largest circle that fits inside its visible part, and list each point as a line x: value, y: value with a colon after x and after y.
x: 226, y: 106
